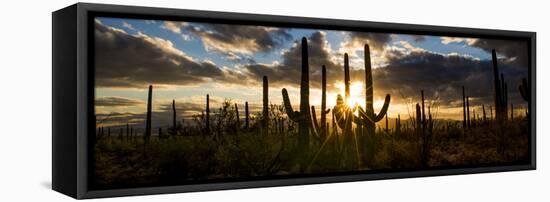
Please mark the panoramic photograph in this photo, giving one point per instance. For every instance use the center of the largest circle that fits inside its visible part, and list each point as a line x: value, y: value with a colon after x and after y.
x: 180, y: 102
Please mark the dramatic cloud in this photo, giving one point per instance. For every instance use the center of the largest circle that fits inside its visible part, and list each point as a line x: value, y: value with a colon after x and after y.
x: 514, y: 51
x: 124, y: 60
x: 238, y: 39
x: 288, y: 72
x: 116, y: 101
x: 442, y: 77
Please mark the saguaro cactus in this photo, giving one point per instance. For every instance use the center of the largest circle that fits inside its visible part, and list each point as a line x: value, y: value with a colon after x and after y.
x: 343, y: 113
x: 468, y: 111
x: 265, y: 118
x: 501, y: 91
x: 302, y: 117
x: 322, y: 129
x: 148, y: 118
x: 464, y: 125
x: 368, y: 117
x: 525, y: 93
x: 246, y: 116
x: 237, y: 118
x: 207, y: 121
x: 174, y: 116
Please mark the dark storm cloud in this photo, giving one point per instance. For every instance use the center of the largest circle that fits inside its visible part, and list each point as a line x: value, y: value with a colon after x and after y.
x: 124, y: 60
x: 375, y: 40
x: 442, y: 77
x: 289, y: 71
x: 237, y: 39
x: 510, y: 49
x: 116, y: 101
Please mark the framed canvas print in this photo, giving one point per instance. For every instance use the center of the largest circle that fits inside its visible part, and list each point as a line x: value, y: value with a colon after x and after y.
x: 153, y: 100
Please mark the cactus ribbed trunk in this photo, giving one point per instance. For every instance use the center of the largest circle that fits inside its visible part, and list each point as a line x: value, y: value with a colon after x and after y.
x: 265, y: 118
x: 148, y: 117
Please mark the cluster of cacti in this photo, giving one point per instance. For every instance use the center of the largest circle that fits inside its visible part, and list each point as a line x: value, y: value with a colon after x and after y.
x: 398, y: 124
x: 501, y: 91
x: 302, y: 117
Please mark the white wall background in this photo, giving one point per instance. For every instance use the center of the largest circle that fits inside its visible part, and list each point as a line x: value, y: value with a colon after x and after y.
x: 25, y: 101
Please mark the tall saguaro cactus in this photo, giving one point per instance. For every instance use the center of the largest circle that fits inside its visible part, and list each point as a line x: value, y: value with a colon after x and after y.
x: 368, y: 117
x: 265, y: 118
x: 525, y: 93
x: 246, y: 116
x: 322, y: 128
x: 302, y: 117
x: 501, y: 91
x: 464, y: 125
x: 174, y: 116
x: 148, y: 117
x: 324, y: 110
x: 207, y: 126
x: 237, y: 118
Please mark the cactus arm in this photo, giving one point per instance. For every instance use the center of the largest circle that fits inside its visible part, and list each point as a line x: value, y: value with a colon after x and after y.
x: 327, y: 111
x: 314, y: 118
x: 376, y: 117
x: 293, y: 115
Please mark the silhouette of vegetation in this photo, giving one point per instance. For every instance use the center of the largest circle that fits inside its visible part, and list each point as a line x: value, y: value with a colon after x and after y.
x: 218, y: 144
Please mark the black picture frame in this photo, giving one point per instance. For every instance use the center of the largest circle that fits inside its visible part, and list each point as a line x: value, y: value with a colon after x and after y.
x: 73, y: 88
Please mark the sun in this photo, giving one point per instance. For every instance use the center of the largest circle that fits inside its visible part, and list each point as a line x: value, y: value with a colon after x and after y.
x: 356, y: 93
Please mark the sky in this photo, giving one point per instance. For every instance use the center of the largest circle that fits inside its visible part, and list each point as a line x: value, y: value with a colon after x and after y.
x: 184, y: 61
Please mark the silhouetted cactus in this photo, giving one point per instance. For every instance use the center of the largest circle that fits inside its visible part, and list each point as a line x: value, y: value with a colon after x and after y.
x: 237, y: 118
x: 468, y: 111
x: 246, y: 116
x: 501, y: 91
x: 525, y: 93
x: 207, y: 121
x: 322, y: 129
x: 398, y: 124
x: 424, y: 128
x: 174, y: 126
x: 148, y: 119
x: 484, y: 114
x: 265, y: 114
x: 367, y: 117
x: 302, y: 117
x: 343, y: 113
x: 464, y: 124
